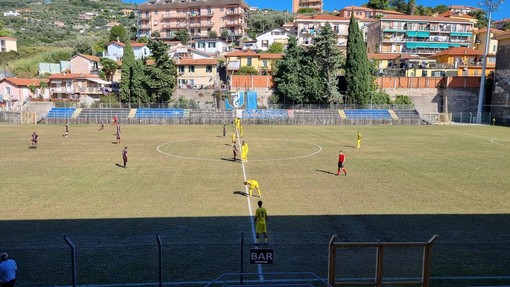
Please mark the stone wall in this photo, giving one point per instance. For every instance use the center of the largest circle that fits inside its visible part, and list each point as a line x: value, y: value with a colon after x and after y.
x: 501, y: 94
x: 432, y: 100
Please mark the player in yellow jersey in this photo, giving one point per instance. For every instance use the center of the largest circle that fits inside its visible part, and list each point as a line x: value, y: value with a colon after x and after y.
x: 253, y: 184
x: 233, y: 138
x: 244, y: 152
x: 260, y: 222
x: 359, y: 140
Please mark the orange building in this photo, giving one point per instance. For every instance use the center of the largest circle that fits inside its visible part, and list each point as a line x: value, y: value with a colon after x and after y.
x: 307, y: 4
x: 467, y: 61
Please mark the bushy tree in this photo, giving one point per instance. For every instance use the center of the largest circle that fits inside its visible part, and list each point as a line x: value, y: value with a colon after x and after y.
x: 481, y: 17
x: 132, y: 77
x: 360, y: 81
x: 288, y: 76
x: 118, y: 33
x: 247, y: 70
x: 440, y: 9
x: 162, y: 76
x: 182, y: 35
x: 275, y: 48
x: 109, y: 67
x: 329, y: 60
x: 378, y: 4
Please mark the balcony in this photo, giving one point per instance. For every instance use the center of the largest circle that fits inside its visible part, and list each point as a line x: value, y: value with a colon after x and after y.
x: 144, y: 17
x: 235, y: 12
x: 144, y: 27
x: 201, y: 24
x: 310, y: 1
x: 233, y: 24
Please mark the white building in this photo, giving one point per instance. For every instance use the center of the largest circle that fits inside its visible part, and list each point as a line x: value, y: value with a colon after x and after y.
x: 279, y: 35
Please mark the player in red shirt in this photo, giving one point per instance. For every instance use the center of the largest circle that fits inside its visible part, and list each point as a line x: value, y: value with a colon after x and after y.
x: 341, y: 160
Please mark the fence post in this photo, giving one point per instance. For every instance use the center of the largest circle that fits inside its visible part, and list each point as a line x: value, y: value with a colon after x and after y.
x: 427, y: 261
x: 241, y: 257
x: 73, y: 259
x: 379, y: 265
x: 332, y: 261
x: 160, y: 260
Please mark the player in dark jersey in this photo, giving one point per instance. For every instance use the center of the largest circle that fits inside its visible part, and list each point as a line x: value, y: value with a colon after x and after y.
x: 124, y: 156
x: 34, y: 139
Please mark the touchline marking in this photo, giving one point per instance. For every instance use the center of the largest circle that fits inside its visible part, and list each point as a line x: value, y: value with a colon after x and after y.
x: 253, y: 233
x: 158, y: 148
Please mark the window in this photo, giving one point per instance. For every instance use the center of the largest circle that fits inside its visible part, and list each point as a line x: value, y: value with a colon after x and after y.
x: 191, y: 69
x: 264, y: 63
x: 211, y: 44
x: 249, y: 62
x: 494, y: 48
x: 156, y: 12
x: 181, y: 69
x: 208, y: 69
x: 7, y: 91
x: 209, y: 11
x: 201, y: 44
x: 265, y: 43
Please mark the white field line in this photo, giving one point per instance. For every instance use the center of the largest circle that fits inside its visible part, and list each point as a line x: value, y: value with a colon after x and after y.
x: 248, y: 198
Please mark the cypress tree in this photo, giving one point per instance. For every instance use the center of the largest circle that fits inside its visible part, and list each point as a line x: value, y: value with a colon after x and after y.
x: 360, y: 82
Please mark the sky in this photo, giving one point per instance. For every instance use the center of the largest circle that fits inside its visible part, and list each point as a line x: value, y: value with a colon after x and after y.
x: 330, y: 5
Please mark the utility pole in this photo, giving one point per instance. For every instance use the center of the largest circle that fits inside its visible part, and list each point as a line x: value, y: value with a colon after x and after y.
x: 489, y: 6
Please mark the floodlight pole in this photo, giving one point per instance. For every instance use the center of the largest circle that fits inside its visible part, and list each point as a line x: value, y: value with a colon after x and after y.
x: 489, y: 6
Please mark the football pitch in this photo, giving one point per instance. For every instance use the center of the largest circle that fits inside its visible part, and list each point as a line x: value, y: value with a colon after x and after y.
x: 405, y: 183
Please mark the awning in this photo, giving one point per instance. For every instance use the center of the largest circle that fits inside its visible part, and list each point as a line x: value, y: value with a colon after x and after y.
x: 461, y: 34
x: 418, y: 34
x: 99, y: 81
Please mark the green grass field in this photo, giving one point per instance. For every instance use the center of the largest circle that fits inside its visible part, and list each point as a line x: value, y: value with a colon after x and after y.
x: 406, y: 183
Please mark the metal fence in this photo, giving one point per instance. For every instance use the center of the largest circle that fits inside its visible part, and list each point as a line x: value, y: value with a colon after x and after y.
x: 199, y: 262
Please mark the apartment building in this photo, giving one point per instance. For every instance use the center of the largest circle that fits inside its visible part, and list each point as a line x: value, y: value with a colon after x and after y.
x: 307, y: 4
x: 307, y: 27
x: 365, y: 12
x: 421, y: 35
x: 199, y: 17
x: 481, y: 42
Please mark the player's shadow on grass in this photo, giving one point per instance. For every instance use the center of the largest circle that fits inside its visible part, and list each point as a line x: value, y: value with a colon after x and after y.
x: 325, y: 171
x: 229, y: 159
x: 238, y: 192
x: 119, y: 165
x: 349, y: 146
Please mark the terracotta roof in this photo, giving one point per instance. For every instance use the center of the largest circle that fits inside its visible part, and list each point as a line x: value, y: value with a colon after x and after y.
x: 458, y: 51
x: 484, y: 30
x: 322, y: 18
x: 245, y: 53
x: 89, y: 57
x: 462, y: 7
x: 423, y: 18
x: 503, y: 36
x: 197, y: 62
x: 23, y: 82
x: 9, y: 38
x: 271, y: 56
x: 72, y: 76
x: 383, y: 56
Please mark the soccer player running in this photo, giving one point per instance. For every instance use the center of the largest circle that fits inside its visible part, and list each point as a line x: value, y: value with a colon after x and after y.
x: 102, y: 126
x: 224, y: 130
x: 260, y: 222
x: 341, y: 160
x: 253, y: 184
x: 359, y: 140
